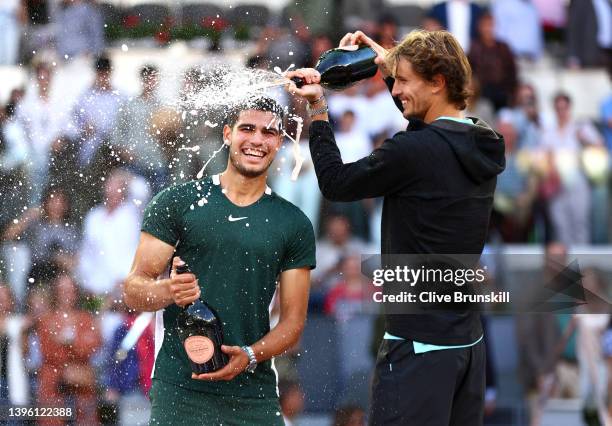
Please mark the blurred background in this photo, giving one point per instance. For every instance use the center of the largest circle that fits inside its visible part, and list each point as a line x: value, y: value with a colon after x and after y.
x: 90, y: 130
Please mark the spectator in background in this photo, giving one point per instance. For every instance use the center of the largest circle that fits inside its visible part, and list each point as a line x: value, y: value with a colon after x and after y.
x: 52, y: 239
x: 14, y: 387
x: 517, y: 24
x: 348, y: 295
x: 138, y: 148
x: 553, y: 17
x: 44, y: 116
x: 12, y: 18
x: 477, y: 106
x: 80, y: 29
x: 95, y: 117
x: 320, y: 43
x: 110, y: 237
x: 13, y: 192
x: 524, y: 117
x: 589, y: 33
x: 337, y: 243
x: 493, y: 64
x: 514, y: 194
x: 460, y: 17
x: 127, y: 374
x: 291, y: 401
x: 69, y: 337
x: 570, y: 207
x: 13, y: 162
x: 352, y: 142
x: 537, y: 337
x: 383, y: 118
x: 387, y: 31
x: 95, y: 113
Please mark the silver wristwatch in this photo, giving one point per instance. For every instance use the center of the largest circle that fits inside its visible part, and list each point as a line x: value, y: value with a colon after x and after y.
x: 316, y: 111
x: 252, y: 360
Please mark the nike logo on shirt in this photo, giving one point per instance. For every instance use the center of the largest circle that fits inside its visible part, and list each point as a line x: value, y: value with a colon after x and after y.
x: 234, y: 219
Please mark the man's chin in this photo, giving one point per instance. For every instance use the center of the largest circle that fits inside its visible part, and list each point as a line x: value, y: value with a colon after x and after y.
x: 251, y: 172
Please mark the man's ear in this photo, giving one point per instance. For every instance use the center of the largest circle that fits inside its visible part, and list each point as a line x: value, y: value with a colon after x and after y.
x: 438, y: 83
x: 227, y: 132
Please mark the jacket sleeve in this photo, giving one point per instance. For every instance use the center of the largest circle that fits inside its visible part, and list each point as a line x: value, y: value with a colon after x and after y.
x: 383, y: 172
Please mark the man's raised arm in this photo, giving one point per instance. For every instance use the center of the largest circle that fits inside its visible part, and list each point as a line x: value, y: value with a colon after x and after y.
x: 144, y: 291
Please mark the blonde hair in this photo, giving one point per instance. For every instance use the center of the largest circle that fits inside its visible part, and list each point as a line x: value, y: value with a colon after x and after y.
x: 435, y: 52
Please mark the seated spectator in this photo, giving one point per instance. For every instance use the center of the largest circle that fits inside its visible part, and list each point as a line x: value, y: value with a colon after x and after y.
x: 95, y: 113
x: 12, y: 17
x: 589, y: 37
x: 553, y: 18
x: 524, y: 117
x: 460, y: 17
x: 14, y: 386
x: 68, y: 337
x: 570, y: 206
x: 477, y: 106
x: 53, y: 241
x: 138, y: 148
x: 80, y: 29
x: 493, y: 64
x: 95, y: 117
x: 538, y: 335
x: 127, y: 373
x: 44, y: 115
x: 320, y: 43
x: 353, y: 143
x: 515, y: 192
x: 110, y: 237
x: 349, y: 294
x: 517, y: 24
x: 336, y: 244
x: 291, y: 401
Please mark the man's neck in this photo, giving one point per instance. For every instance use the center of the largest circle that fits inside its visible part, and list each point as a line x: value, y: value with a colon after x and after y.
x: 242, y: 190
x: 443, y: 110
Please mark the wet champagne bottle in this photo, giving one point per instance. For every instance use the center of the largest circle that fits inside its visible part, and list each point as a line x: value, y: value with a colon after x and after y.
x: 343, y: 66
x: 201, y: 332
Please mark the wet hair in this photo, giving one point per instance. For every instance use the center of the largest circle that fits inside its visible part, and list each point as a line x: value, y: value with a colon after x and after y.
x: 258, y: 103
x: 103, y: 63
x: 434, y: 53
x: 148, y: 71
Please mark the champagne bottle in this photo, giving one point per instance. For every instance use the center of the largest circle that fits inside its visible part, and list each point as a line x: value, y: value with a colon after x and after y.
x: 201, y: 331
x: 343, y: 66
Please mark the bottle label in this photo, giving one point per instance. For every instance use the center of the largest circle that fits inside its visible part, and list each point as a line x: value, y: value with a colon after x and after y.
x: 199, y: 349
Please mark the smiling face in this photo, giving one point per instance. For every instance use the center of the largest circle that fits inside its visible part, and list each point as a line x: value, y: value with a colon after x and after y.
x: 415, y: 93
x: 253, y: 142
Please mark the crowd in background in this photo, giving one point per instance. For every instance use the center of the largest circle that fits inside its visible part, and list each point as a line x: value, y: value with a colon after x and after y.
x: 75, y: 176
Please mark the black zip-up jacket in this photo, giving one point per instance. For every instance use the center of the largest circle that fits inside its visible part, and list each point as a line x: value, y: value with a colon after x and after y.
x: 438, y: 182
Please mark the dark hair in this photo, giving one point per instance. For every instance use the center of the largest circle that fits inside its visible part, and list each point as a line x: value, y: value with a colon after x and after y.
x: 258, y: 103
x: 148, y: 71
x: 432, y: 53
x: 103, y: 63
x: 562, y: 96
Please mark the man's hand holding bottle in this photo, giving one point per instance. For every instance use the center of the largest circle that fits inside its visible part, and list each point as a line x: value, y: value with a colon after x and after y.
x: 184, y: 288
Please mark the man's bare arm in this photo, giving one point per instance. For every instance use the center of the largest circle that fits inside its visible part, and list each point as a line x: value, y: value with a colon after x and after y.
x: 293, y: 291
x: 143, y: 291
